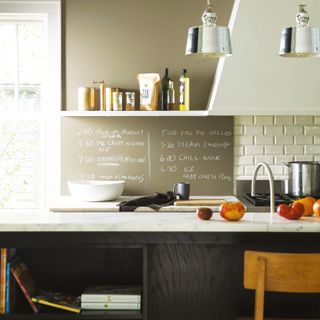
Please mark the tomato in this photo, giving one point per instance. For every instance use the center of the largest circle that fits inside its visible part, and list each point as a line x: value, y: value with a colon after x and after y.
x: 292, y: 212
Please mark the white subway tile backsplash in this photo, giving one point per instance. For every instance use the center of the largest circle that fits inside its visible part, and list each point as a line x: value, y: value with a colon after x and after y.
x: 242, y: 140
x: 268, y: 159
x: 283, y: 140
x: 303, y: 120
x: 276, y: 170
x: 303, y: 158
x: 296, y: 130
x: 243, y: 120
x: 263, y: 120
x: 312, y: 150
x: 283, y: 120
x: 254, y: 150
x: 248, y: 170
x: 279, y: 159
x: 238, y: 151
x: 238, y: 171
x: 313, y: 130
x: 274, y: 150
x: 243, y: 160
x: 264, y: 140
x: 303, y: 139
x: 273, y: 139
x: 253, y: 130
x: 273, y: 131
x: 238, y: 130
x: 316, y: 120
x: 294, y: 150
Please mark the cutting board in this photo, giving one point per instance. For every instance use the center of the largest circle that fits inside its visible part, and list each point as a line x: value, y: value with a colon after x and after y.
x: 200, y: 202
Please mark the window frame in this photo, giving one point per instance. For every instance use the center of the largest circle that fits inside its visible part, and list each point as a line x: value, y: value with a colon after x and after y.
x: 50, y: 13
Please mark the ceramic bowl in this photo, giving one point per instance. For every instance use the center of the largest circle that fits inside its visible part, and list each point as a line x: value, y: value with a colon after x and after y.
x: 95, y: 190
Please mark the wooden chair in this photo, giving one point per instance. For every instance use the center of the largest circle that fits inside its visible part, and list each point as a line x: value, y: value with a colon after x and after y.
x: 280, y: 272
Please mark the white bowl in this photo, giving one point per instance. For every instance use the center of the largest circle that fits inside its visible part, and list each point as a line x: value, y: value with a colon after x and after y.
x: 95, y: 190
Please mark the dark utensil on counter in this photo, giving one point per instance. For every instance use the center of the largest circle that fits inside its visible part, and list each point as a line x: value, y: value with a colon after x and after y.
x: 304, y: 178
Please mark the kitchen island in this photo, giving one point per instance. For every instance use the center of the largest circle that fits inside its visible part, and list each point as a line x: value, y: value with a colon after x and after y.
x: 188, y: 268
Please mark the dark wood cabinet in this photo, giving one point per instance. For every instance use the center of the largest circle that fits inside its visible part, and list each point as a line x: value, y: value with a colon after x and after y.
x: 183, y: 275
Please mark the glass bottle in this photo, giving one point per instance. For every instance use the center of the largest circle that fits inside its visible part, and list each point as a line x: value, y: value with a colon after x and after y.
x: 171, y: 96
x: 184, y: 91
x: 164, y: 90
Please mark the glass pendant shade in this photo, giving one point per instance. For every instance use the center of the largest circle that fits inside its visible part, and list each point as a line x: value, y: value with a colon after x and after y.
x: 209, y: 40
x: 301, y: 41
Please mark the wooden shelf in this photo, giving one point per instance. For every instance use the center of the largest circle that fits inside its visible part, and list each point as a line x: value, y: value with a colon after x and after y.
x: 105, y: 315
x: 194, y: 113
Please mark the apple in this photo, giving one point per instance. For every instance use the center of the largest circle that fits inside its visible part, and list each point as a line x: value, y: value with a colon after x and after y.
x: 316, y: 208
x: 204, y: 213
x: 232, y: 211
x: 292, y: 212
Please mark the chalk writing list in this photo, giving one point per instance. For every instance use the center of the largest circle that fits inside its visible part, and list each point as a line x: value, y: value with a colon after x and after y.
x: 150, y: 154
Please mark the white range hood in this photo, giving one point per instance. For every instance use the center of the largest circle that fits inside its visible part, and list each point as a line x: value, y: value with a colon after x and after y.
x: 255, y: 80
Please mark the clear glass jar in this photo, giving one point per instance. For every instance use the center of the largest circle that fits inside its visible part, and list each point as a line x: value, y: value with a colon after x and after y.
x: 117, y: 101
x: 130, y: 101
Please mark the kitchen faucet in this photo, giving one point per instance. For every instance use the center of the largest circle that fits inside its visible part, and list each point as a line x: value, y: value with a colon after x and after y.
x: 271, y: 183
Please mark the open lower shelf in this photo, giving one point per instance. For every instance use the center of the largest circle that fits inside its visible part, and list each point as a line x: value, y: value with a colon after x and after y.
x: 194, y: 113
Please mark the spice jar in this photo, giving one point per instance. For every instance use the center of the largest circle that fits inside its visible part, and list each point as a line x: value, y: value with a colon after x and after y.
x: 130, y: 101
x: 117, y: 101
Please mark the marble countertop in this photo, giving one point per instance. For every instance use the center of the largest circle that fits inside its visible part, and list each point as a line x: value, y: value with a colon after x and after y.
x: 150, y: 222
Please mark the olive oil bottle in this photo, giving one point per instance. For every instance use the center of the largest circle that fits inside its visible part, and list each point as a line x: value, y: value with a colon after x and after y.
x: 164, y: 90
x: 184, y: 91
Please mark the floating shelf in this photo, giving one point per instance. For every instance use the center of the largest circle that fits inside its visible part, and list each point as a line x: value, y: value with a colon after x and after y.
x: 194, y: 113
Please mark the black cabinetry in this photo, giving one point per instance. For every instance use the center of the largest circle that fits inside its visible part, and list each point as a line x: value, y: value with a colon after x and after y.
x: 184, y: 276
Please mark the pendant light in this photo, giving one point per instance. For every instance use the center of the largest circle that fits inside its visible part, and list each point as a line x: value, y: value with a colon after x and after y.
x: 209, y: 40
x: 302, y: 40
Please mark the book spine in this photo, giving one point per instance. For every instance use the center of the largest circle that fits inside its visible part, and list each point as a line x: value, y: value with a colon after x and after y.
x: 110, y: 298
x: 3, y: 265
x: 109, y: 306
x: 8, y: 288
x: 58, y: 306
x: 25, y: 292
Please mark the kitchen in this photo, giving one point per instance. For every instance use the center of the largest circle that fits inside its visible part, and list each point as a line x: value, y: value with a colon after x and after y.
x: 180, y: 246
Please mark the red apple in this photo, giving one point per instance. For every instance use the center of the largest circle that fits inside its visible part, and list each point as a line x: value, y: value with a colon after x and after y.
x: 316, y: 208
x: 293, y: 212
x: 232, y: 211
x: 204, y: 213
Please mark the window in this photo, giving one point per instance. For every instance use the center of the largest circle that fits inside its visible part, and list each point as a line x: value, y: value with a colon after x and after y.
x: 29, y: 102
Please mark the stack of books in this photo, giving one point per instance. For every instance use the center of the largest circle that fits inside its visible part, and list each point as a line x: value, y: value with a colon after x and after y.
x: 107, y: 297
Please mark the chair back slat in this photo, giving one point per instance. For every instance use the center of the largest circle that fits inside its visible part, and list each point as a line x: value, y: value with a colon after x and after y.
x: 284, y: 272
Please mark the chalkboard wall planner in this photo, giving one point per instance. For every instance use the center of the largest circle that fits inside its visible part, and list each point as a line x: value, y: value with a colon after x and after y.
x: 150, y: 154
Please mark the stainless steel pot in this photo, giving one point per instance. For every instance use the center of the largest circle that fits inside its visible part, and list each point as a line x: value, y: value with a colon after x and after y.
x: 304, y: 178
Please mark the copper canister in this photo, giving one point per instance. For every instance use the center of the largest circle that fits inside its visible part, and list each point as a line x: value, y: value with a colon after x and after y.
x: 86, y: 98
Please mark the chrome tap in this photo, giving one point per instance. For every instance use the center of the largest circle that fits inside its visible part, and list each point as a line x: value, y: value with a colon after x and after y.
x: 271, y: 183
